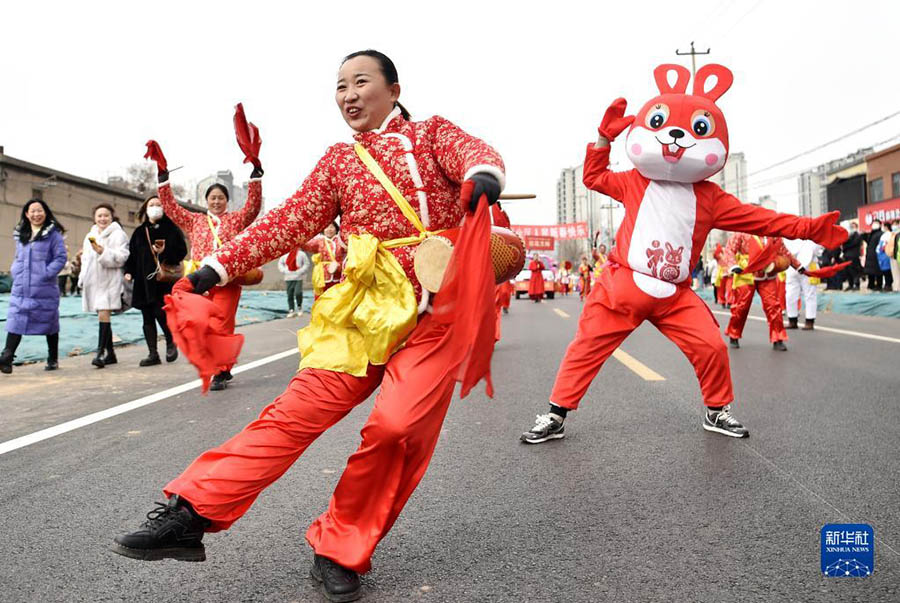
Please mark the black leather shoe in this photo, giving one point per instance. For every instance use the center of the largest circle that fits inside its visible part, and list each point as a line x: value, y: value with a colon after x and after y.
x: 339, y: 584
x: 151, y: 360
x: 736, y: 344
x: 792, y: 323
x: 52, y: 365
x: 172, y: 531
x: 218, y: 383
x: 779, y: 346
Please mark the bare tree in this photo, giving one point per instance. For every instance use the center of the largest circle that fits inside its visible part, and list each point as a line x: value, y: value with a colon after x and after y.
x: 141, y: 178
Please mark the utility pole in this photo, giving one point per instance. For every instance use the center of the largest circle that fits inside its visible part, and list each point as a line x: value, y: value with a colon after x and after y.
x: 693, y: 54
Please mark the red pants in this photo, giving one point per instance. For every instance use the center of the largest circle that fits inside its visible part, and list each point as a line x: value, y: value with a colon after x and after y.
x: 397, y: 443
x: 227, y: 298
x: 614, y: 309
x: 740, y: 308
x: 720, y: 292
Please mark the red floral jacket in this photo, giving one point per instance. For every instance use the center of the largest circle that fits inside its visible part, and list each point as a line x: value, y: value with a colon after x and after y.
x: 325, y: 248
x: 427, y: 161
x: 196, y: 226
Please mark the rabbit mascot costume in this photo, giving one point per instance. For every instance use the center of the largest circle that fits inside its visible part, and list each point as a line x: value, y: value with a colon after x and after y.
x: 676, y: 141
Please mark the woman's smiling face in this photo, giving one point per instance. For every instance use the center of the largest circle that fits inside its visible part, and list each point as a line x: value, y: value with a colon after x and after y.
x: 363, y: 94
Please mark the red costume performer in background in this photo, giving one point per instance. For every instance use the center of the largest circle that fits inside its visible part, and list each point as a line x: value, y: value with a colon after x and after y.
x: 207, y: 233
x: 676, y: 142
x: 328, y: 260
x: 428, y: 162
x: 585, y: 278
x: 766, y: 283
x: 536, y: 282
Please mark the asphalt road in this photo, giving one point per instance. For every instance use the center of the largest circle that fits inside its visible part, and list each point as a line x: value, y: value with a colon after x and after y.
x: 637, y: 503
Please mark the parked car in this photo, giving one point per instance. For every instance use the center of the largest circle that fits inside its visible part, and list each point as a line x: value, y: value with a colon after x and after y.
x: 524, y: 277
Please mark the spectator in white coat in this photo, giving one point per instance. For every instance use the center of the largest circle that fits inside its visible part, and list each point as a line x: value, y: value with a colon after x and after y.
x: 104, y: 253
x: 293, y: 278
x: 799, y: 285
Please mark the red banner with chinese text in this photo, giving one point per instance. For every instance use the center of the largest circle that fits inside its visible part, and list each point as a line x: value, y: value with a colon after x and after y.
x: 538, y: 243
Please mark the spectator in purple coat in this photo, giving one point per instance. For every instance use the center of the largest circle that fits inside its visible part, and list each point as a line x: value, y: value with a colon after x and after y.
x: 34, y: 299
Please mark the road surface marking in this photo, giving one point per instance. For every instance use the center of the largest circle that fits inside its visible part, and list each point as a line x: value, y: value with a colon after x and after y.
x: 51, y: 432
x: 642, y: 370
x: 828, y: 329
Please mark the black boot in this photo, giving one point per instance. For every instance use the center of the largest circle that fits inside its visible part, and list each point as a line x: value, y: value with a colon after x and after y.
x: 52, y: 352
x: 110, y: 357
x: 150, y: 336
x: 172, y: 531
x: 339, y: 584
x: 792, y: 323
x: 171, y: 350
x: 6, y: 358
x: 734, y: 343
x: 809, y: 325
x: 101, y: 345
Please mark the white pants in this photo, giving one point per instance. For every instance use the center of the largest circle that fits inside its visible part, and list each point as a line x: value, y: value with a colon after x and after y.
x: 795, y: 285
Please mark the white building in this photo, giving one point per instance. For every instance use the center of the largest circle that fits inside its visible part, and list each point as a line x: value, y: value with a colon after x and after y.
x: 812, y: 185
x: 733, y: 177
x: 575, y: 203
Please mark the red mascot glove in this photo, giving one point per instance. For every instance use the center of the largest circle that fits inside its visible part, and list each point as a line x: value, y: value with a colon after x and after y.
x: 825, y: 231
x: 614, y: 120
x: 248, y: 139
x: 154, y: 153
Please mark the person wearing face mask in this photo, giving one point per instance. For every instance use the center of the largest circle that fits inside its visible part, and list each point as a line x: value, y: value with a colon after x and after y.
x: 872, y: 266
x: 156, y: 243
x: 399, y: 183
x: 34, y: 299
x: 105, y: 251
x: 210, y: 231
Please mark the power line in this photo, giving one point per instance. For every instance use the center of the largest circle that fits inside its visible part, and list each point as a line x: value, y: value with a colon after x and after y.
x: 823, y: 145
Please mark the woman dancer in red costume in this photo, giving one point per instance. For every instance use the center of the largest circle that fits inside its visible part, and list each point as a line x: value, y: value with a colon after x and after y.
x: 210, y: 231
x: 439, y: 170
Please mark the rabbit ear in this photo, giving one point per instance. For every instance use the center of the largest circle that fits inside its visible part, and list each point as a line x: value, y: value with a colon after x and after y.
x: 661, y: 74
x: 724, y: 79
x: 669, y: 246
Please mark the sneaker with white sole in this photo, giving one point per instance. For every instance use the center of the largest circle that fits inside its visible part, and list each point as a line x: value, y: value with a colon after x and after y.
x: 721, y: 421
x: 545, y: 428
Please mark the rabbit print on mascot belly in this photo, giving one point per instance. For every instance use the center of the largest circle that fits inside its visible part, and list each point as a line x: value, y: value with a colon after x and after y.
x: 676, y: 139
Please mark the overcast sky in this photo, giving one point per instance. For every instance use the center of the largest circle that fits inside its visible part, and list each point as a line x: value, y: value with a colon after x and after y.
x: 84, y: 85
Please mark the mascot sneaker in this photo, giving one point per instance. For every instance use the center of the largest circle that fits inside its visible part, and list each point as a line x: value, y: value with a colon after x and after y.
x: 545, y: 428
x: 721, y: 421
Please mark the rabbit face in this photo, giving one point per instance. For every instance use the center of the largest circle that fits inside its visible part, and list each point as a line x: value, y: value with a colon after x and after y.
x: 681, y: 137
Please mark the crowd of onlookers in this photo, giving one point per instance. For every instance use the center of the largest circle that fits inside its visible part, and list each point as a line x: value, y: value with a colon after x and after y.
x: 112, y: 272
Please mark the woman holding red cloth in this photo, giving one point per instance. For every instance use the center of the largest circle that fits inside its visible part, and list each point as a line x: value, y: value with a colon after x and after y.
x: 398, y: 184
x: 585, y: 277
x: 210, y: 231
x: 536, y: 282
x: 328, y: 252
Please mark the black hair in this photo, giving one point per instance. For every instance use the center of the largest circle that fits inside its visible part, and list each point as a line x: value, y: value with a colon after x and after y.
x: 112, y: 211
x: 219, y: 186
x: 388, y: 70
x: 337, y: 227
x: 142, y: 211
x: 24, y: 227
